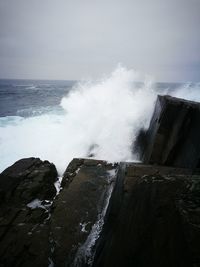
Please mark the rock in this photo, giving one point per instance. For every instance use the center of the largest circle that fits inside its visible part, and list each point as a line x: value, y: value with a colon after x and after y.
x: 153, y: 219
x: 35, y: 232
x: 173, y: 135
x: 28, y: 179
x: 24, y: 231
x: 79, y: 211
x: 105, y: 215
x: 71, y: 171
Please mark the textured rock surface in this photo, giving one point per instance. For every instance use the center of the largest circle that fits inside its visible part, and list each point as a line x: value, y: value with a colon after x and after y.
x: 173, y: 135
x: 153, y: 220
x: 23, y: 223
x: 152, y: 216
x: 79, y: 211
x: 28, y: 179
x: 35, y: 232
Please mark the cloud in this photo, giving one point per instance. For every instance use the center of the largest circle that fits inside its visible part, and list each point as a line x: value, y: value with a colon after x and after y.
x: 67, y: 39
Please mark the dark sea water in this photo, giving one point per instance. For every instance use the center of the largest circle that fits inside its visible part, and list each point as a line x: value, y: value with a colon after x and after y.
x: 31, y: 97
x: 60, y: 120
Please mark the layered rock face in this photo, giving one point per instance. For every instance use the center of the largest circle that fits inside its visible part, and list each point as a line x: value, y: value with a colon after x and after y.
x: 173, y: 135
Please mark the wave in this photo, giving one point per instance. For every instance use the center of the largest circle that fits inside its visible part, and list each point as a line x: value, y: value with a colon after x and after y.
x: 100, y: 119
x: 37, y: 111
x: 24, y: 85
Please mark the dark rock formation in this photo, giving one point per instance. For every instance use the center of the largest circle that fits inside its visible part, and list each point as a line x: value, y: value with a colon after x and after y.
x: 79, y: 211
x: 35, y: 232
x: 153, y: 219
x: 28, y: 179
x: 26, y: 189
x: 71, y: 171
x: 173, y: 135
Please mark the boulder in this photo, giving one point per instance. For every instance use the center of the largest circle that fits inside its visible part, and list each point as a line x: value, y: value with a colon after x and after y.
x: 28, y: 179
x: 26, y: 192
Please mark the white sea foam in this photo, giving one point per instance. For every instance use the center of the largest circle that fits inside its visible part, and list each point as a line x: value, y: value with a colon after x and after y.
x: 188, y: 91
x: 100, y: 118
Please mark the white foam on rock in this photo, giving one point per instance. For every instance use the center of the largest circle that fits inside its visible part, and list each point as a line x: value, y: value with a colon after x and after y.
x: 42, y: 204
x: 57, y: 185
x: 36, y: 203
x: 86, y: 251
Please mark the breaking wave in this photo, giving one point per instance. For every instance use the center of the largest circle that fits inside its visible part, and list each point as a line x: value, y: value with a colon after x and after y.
x: 100, y: 119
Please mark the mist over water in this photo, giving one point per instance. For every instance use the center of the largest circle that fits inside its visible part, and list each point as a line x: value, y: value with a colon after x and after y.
x: 100, y: 119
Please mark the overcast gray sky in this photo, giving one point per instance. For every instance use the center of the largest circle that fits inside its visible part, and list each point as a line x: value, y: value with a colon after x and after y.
x: 78, y: 39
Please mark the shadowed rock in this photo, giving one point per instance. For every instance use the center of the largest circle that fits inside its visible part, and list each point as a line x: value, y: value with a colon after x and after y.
x: 79, y: 211
x: 153, y: 219
x: 28, y: 179
x: 25, y: 188
x: 173, y: 135
x: 34, y: 232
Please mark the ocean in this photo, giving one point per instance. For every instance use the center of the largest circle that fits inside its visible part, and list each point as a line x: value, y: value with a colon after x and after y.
x: 28, y: 98
x: 60, y: 120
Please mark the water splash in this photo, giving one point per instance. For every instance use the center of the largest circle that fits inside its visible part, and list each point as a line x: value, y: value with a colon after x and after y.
x: 100, y: 118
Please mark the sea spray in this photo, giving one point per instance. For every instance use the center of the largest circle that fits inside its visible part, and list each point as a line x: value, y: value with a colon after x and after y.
x: 99, y: 119
x: 108, y: 114
x: 189, y: 91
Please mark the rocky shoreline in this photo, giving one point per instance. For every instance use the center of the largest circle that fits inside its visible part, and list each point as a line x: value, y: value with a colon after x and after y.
x: 122, y: 214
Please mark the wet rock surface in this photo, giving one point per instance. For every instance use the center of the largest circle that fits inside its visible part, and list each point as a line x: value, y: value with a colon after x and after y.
x: 153, y: 219
x: 105, y: 215
x: 79, y: 211
x: 40, y: 228
x: 24, y: 187
x: 173, y: 135
x: 26, y: 180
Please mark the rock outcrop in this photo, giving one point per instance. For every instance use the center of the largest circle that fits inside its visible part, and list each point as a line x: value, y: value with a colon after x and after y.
x: 173, y: 135
x: 105, y: 215
x: 79, y: 211
x: 28, y: 179
x: 40, y: 228
x: 26, y: 192
x: 153, y: 219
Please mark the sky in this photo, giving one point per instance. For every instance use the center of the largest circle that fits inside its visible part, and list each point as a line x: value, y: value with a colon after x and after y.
x: 83, y: 39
